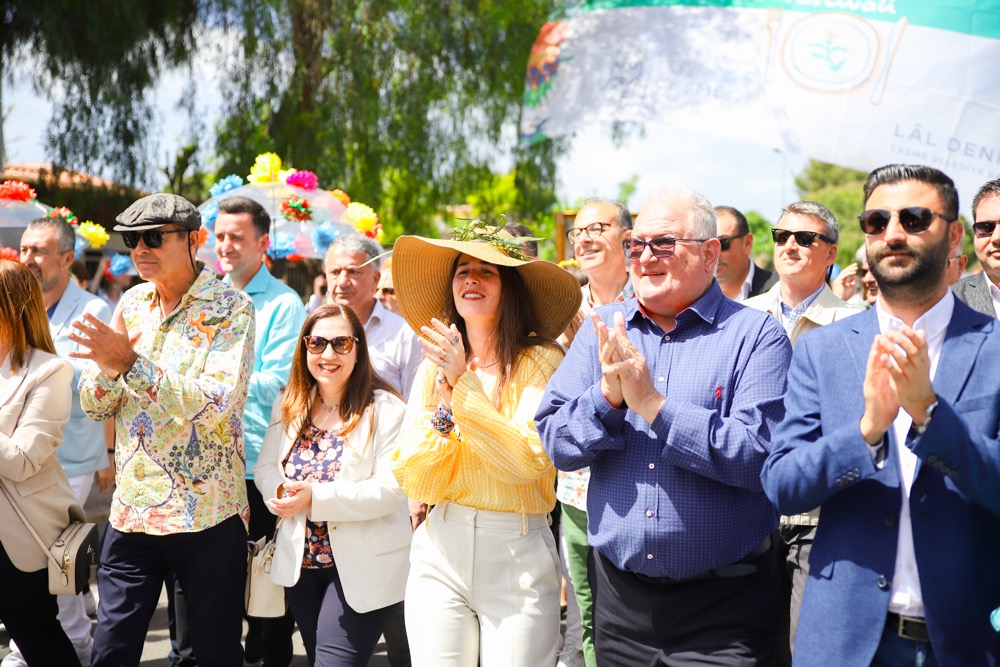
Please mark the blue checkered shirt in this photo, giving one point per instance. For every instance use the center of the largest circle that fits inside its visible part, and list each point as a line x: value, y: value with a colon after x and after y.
x: 684, y: 495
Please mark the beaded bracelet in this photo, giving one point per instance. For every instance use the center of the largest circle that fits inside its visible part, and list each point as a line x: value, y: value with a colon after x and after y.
x: 442, y: 421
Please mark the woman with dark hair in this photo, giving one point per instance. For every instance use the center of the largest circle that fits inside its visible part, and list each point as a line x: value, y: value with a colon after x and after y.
x: 324, y: 468
x: 34, y: 406
x: 484, y: 579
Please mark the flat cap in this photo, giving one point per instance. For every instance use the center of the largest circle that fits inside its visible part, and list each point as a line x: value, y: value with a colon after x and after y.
x: 157, y: 210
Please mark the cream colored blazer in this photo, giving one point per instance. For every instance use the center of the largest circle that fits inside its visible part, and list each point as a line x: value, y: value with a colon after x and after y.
x: 34, y: 406
x: 364, y: 508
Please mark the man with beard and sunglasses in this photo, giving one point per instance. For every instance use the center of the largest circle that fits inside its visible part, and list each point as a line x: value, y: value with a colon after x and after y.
x: 805, y: 246
x: 891, y: 425
x: 172, y: 371
x: 982, y: 292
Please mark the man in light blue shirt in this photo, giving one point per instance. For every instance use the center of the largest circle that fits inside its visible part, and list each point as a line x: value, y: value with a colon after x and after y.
x: 241, y: 235
x: 47, y: 248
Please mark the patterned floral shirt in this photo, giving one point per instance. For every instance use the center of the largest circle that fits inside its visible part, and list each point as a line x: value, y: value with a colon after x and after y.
x: 315, y: 456
x: 179, y: 463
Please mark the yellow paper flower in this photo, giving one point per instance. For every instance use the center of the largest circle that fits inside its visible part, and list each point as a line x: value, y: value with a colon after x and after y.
x: 285, y: 173
x: 95, y: 234
x: 266, y: 168
x: 364, y: 219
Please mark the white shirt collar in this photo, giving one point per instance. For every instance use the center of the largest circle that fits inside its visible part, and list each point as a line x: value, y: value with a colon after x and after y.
x: 994, y: 294
x: 934, y: 322
x: 747, y: 284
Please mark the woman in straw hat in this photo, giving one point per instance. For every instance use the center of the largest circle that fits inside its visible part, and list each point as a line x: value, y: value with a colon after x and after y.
x: 484, y: 579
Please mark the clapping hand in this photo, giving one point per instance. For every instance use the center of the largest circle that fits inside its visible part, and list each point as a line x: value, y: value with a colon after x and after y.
x: 109, y: 346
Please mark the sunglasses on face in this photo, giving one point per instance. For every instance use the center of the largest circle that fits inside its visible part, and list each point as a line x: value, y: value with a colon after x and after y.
x: 340, y: 344
x: 726, y: 241
x: 661, y: 246
x: 984, y: 228
x: 153, y: 238
x: 914, y: 219
x: 591, y: 231
x: 804, y: 239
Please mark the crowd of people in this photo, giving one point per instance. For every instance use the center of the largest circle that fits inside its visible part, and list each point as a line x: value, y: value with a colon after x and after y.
x: 750, y: 467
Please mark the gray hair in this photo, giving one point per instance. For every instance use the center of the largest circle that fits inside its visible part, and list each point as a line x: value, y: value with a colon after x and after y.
x: 859, y: 254
x: 358, y: 242
x: 65, y: 236
x: 701, y: 214
x: 622, y: 215
x: 816, y: 210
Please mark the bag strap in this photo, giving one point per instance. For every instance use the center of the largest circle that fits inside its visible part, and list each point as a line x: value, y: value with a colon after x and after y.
x: 45, y: 549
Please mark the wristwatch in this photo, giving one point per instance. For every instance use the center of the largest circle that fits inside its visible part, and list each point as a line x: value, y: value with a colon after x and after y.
x: 917, y: 431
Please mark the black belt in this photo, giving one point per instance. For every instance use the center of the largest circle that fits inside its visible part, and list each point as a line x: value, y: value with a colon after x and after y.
x: 908, y: 627
x: 741, y: 568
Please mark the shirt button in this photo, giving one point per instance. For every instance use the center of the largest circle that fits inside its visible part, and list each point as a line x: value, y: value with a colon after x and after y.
x: 649, y: 556
x: 649, y: 512
x: 651, y: 466
x: 666, y: 338
x: 661, y: 378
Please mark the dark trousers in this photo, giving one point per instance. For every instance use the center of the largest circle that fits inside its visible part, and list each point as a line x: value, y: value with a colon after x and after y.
x: 268, y: 639
x: 209, y: 564
x: 29, y: 612
x: 334, y: 634
x: 645, y: 622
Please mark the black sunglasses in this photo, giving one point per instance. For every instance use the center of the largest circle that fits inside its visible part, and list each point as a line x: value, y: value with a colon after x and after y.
x: 340, y: 344
x: 914, y: 219
x: 803, y: 238
x: 661, y: 246
x: 726, y: 241
x: 984, y: 228
x: 153, y: 238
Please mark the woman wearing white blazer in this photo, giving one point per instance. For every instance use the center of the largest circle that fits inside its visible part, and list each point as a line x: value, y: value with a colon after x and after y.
x: 342, y: 546
x: 34, y: 407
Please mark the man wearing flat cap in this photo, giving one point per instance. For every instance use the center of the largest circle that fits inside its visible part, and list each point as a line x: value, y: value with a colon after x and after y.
x: 173, y: 368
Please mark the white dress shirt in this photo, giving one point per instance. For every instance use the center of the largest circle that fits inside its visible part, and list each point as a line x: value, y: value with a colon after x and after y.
x: 994, y: 294
x: 906, y: 598
x: 393, y: 348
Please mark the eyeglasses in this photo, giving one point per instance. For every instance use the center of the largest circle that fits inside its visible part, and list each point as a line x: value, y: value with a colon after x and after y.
x: 726, y: 241
x: 803, y: 238
x: 592, y: 231
x: 984, y: 228
x: 153, y: 238
x: 340, y: 344
x: 661, y: 246
x: 914, y: 219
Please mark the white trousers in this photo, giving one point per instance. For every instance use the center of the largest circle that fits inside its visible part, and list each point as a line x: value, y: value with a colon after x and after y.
x: 482, y: 585
x: 72, y: 611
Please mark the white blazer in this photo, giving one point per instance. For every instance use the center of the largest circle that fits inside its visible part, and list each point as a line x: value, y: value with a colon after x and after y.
x: 34, y: 407
x: 364, y: 508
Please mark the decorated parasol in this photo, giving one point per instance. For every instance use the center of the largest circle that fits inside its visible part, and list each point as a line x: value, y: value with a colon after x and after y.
x: 19, y: 206
x: 305, y: 219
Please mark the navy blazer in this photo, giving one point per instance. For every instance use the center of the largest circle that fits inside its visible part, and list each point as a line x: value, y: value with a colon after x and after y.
x: 819, y: 458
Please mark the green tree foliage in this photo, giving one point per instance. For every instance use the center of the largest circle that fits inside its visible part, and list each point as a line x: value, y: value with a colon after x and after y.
x: 402, y: 104
x: 763, y: 247
x: 97, y: 61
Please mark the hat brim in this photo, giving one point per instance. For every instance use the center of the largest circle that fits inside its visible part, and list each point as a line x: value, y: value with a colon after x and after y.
x: 422, y: 276
x: 153, y: 225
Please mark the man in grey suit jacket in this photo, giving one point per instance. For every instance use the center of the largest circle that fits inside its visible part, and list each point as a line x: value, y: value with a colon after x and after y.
x: 47, y: 248
x: 982, y: 292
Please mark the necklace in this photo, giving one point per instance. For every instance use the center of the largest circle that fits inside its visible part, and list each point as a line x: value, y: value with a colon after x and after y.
x: 328, y: 408
x: 489, y: 365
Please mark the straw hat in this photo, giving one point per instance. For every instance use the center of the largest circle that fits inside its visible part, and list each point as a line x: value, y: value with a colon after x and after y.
x: 422, y: 272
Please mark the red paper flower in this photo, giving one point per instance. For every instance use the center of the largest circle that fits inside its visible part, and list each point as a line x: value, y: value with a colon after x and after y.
x: 296, y: 209
x: 9, y: 253
x: 17, y: 191
x: 64, y: 213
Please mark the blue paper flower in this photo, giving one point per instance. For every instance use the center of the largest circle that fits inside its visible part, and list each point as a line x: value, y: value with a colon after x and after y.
x: 323, y: 236
x: 209, y: 214
x: 120, y: 265
x: 282, y: 245
x: 230, y: 182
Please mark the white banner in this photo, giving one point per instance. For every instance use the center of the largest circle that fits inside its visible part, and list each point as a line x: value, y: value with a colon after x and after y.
x: 859, y: 83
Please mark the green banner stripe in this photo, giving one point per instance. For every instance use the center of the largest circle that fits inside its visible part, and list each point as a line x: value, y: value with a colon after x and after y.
x: 971, y: 17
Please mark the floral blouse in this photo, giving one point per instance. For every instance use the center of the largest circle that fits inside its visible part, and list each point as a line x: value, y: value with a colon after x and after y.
x: 315, y: 456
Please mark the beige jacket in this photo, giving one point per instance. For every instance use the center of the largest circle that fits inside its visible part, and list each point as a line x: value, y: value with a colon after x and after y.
x: 34, y: 406
x: 825, y: 309
x: 364, y: 508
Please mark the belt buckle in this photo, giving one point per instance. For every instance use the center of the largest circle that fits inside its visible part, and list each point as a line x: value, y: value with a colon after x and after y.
x: 914, y: 629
